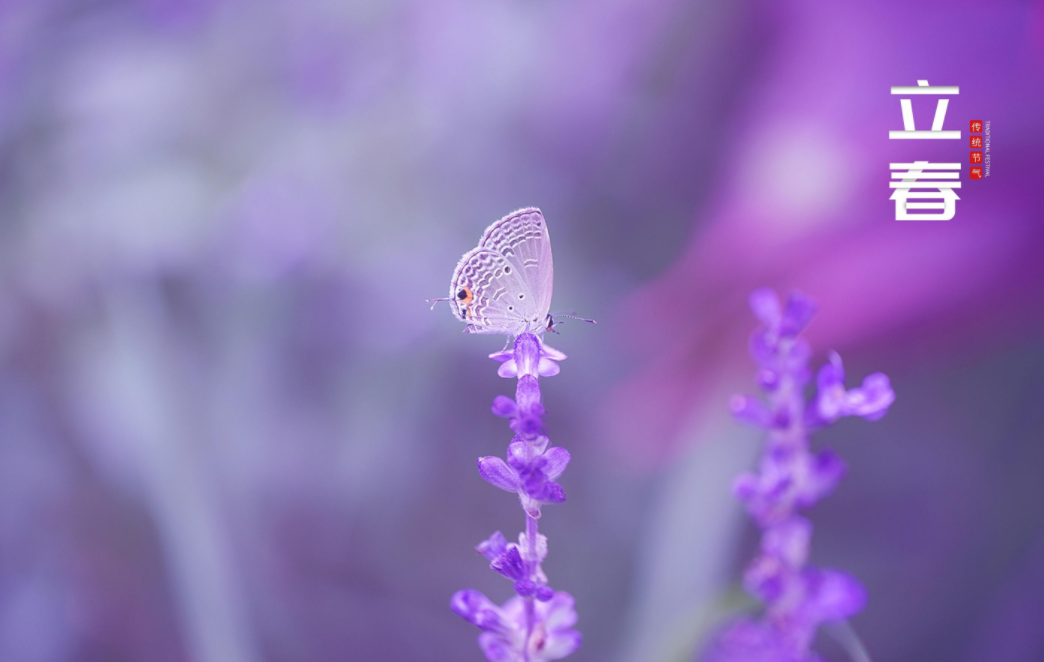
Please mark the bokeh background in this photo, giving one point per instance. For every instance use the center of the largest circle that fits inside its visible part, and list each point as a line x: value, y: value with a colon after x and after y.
x: 232, y: 431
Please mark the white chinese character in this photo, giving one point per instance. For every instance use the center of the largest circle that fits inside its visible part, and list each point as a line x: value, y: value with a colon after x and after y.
x: 908, y: 131
x: 913, y: 176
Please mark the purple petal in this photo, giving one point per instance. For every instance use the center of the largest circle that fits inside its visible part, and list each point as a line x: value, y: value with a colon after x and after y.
x: 509, y: 564
x: 527, y: 393
x: 767, y: 379
x: 547, y: 368
x: 544, y: 593
x: 830, y: 405
x: 525, y: 587
x: 834, y: 595
x: 469, y: 603
x: 557, y: 460
x: 750, y: 411
x: 553, y: 493
x: 761, y: 502
x: 496, y: 648
x: 830, y: 391
x: 518, y: 455
x: 527, y: 354
x: 492, y: 620
x: 508, y: 369
x: 763, y: 348
x: 539, y: 444
x: 504, y: 406
x: 561, y: 643
x: 532, y: 477
x: 527, y: 426
x: 766, y: 578
x: 825, y: 471
x: 528, y: 423
x: 558, y: 613
x: 753, y: 641
x: 797, y: 360
x: 551, y: 353
x: 493, y: 546
x: 798, y: 313
x: 873, y: 399
x: 788, y: 540
x: 497, y: 473
x: 764, y: 303
x: 503, y: 355
x: 832, y: 373
x: 746, y: 487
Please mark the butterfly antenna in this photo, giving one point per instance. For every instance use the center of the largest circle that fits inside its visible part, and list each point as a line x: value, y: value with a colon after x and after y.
x: 573, y: 316
x: 435, y: 302
x: 554, y: 319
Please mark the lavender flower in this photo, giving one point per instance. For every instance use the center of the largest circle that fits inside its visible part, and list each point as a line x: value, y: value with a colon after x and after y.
x: 537, y: 623
x: 798, y: 597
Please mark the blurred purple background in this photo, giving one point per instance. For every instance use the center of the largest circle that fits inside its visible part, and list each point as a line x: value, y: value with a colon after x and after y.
x: 231, y: 430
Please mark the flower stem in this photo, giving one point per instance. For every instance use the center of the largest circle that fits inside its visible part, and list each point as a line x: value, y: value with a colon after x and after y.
x: 532, y: 531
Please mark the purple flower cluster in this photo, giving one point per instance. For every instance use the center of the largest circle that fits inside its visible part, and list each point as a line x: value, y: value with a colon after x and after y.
x: 537, y: 623
x: 798, y: 597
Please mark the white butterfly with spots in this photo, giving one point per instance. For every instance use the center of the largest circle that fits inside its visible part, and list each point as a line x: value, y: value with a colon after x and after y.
x: 504, y: 284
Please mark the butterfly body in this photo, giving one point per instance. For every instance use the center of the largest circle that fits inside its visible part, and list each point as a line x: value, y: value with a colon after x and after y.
x: 504, y: 285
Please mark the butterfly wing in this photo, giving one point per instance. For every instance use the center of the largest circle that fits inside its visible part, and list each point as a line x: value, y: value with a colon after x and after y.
x: 485, y: 289
x: 522, y: 239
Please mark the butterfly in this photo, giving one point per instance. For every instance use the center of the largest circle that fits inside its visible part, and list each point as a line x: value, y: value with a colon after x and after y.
x: 504, y: 284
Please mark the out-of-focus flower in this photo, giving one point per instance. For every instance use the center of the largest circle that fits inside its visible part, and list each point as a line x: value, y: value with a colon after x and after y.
x: 798, y: 597
x: 798, y: 201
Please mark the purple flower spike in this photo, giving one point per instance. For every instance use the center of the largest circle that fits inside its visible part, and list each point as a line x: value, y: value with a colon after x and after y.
x: 798, y: 597
x: 537, y: 624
